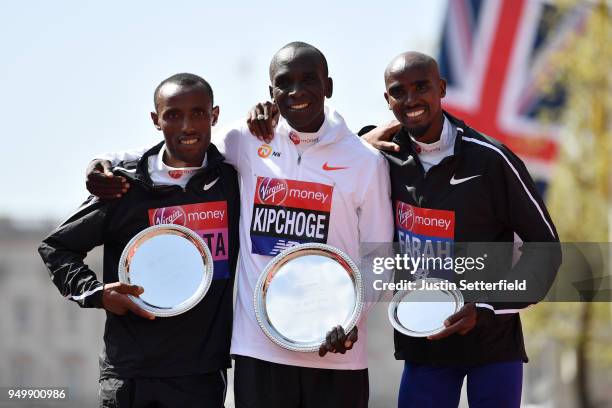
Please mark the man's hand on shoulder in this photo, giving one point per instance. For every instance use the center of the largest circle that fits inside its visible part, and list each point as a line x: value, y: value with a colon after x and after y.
x: 337, y: 341
x: 115, y: 299
x: 262, y: 119
x: 380, y: 137
x: 101, y: 182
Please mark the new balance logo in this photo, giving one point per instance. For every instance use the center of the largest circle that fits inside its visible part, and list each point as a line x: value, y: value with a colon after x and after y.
x: 281, y: 246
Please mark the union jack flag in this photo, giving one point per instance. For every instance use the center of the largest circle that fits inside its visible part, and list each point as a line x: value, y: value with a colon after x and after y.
x: 497, y: 56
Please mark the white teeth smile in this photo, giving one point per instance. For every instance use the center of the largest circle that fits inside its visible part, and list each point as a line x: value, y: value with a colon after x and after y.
x: 301, y: 106
x: 189, y: 141
x: 414, y: 114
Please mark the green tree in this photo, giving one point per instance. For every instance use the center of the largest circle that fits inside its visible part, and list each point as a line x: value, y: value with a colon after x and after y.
x: 579, y: 192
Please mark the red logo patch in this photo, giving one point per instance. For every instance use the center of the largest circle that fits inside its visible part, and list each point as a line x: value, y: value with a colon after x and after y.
x: 405, y: 215
x: 175, y: 174
x: 272, y: 191
x: 169, y: 215
x: 264, y: 151
x: 209, y: 220
x: 294, y: 138
x: 425, y: 221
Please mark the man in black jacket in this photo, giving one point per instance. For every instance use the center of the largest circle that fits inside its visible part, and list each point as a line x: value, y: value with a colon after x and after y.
x: 477, y: 191
x: 174, y: 361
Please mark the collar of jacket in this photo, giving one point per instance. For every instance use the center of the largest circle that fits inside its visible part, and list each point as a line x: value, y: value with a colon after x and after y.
x: 141, y: 175
x: 334, y: 128
x: 402, y: 138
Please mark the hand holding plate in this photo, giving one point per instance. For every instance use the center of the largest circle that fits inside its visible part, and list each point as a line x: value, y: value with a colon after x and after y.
x: 461, y: 322
x: 172, y: 262
x: 337, y: 341
x: 115, y: 299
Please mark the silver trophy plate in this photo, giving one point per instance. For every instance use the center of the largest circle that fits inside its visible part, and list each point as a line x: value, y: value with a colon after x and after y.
x: 421, y: 312
x: 304, y: 292
x: 173, y: 265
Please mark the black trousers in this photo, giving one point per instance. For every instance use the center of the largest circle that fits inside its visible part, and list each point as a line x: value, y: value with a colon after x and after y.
x: 261, y: 384
x: 195, y: 391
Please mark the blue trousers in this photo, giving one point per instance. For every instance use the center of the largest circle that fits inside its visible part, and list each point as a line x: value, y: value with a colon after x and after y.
x: 496, y: 385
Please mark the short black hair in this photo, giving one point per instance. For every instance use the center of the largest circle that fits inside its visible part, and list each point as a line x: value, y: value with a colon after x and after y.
x: 299, y: 45
x: 187, y: 80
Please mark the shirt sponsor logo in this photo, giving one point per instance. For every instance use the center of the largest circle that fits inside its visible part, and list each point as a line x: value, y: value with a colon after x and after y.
x: 425, y: 221
x: 264, y: 151
x: 425, y: 232
x: 272, y: 191
x: 289, y: 212
x: 454, y: 181
x: 208, y: 186
x: 177, y: 174
x: 294, y: 138
x: 427, y: 149
x: 168, y: 215
x: 327, y: 167
x: 405, y: 215
x: 208, y: 220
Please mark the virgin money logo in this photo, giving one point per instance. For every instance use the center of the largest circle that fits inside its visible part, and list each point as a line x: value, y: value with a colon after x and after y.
x: 405, y: 215
x: 169, y: 215
x: 175, y: 174
x: 272, y: 191
x: 294, y: 138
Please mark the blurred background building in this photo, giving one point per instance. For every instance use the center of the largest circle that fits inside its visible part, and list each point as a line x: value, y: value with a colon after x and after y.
x: 46, y: 340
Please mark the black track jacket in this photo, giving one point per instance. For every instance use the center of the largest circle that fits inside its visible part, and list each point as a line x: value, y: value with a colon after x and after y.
x: 481, y: 194
x: 192, y: 343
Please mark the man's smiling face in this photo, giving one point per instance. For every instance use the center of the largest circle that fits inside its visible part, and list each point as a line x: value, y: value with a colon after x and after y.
x: 414, y: 91
x: 299, y: 87
x: 185, y: 115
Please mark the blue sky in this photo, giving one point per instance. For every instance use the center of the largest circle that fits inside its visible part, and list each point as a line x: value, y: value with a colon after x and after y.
x: 78, y: 77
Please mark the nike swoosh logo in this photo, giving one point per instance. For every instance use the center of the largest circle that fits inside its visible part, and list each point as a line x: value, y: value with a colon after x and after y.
x: 328, y: 167
x: 454, y: 181
x: 209, y: 185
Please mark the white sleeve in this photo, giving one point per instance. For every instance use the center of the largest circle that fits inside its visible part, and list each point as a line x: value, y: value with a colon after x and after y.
x: 376, y: 211
x: 376, y: 228
x: 128, y: 155
x: 230, y: 142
